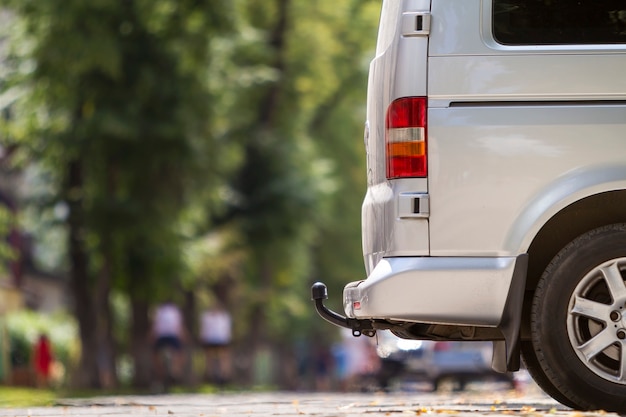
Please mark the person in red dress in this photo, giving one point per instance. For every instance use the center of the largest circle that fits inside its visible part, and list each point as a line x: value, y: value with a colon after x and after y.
x: 42, y: 360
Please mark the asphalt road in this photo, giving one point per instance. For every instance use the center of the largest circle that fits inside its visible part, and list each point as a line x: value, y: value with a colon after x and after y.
x: 296, y: 404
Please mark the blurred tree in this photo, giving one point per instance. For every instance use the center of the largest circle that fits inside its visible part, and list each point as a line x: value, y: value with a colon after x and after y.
x: 229, y: 128
x: 116, y: 104
x: 300, y: 156
x: 336, y: 124
x: 8, y: 255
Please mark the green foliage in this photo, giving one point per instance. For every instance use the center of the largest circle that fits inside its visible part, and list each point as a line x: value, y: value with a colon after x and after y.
x: 298, y: 193
x: 337, y: 125
x: 219, y: 143
x: 123, y: 88
x: 7, y: 224
x: 115, y: 106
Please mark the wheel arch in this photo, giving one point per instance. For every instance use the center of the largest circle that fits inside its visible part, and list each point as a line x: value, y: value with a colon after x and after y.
x: 566, y: 225
x: 572, y: 221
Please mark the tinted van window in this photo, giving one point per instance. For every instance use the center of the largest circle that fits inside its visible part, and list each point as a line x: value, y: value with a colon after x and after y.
x: 550, y: 22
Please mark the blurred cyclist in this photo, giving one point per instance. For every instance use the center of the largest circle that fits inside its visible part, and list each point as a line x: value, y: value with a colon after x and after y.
x: 168, y: 332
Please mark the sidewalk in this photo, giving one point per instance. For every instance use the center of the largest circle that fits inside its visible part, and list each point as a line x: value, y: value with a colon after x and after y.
x: 307, y: 404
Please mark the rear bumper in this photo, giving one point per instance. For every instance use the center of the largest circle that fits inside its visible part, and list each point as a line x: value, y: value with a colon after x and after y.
x: 482, y: 292
x: 442, y: 290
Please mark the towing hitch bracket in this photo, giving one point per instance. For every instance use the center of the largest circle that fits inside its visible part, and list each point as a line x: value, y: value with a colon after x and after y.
x: 319, y: 293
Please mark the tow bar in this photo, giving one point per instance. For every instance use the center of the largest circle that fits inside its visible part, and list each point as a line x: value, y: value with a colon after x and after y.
x: 319, y: 293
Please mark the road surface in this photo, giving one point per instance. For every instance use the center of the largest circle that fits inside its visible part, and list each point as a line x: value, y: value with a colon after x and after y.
x: 296, y: 404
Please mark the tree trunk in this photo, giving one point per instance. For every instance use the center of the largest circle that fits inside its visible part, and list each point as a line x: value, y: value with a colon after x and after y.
x: 107, y: 373
x: 140, y: 348
x: 257, y: 342
x: 268, y: 111
x: 191, y: 326
x: 106, y: 353
x: 87, y: 374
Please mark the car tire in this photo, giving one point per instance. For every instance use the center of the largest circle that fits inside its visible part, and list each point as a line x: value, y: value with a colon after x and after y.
x: 536, y: 372
x: 578, y: 322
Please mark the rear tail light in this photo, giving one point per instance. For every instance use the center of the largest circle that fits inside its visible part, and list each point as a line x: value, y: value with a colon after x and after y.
x: 405, y: 138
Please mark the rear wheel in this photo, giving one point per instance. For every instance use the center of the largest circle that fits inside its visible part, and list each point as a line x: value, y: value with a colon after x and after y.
x: 578, y: 322
x: 536, y: 372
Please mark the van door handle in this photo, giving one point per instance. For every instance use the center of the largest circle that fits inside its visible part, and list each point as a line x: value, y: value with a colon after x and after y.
x: 415, y: 24
x: 413, y: 205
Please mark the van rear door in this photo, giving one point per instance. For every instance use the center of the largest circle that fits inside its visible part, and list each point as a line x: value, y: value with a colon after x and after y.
x: 398, y: 70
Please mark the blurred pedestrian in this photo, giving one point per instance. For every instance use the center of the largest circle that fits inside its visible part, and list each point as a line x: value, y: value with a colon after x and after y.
x: 42, y: 360
x: 215, y: 336
x: 169, y: 335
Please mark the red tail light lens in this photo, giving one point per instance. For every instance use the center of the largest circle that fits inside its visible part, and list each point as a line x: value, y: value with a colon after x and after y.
x: 405, y: 138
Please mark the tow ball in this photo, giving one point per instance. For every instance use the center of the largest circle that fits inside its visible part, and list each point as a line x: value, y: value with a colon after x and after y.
x: 319, y: 293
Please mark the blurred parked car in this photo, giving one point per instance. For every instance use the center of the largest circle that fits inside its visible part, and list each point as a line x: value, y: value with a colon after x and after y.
x: 435, y: 364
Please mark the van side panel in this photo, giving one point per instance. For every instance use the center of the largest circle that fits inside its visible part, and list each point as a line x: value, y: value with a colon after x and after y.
x: 512, y: 128
x: 505, y: 76
x: 489, y: 165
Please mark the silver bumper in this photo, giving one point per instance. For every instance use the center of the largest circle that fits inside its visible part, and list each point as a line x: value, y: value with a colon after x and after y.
x: 442, y: 290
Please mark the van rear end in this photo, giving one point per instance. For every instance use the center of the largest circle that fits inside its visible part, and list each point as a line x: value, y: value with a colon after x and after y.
x: 497, y: 188
x: 395, y: 135
x: 396, y: 215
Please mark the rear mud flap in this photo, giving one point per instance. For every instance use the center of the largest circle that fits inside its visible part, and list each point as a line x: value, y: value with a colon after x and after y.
x: 506, y: 353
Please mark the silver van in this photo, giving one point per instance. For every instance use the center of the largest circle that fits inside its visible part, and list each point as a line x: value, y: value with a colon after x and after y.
x: 496, y: 199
